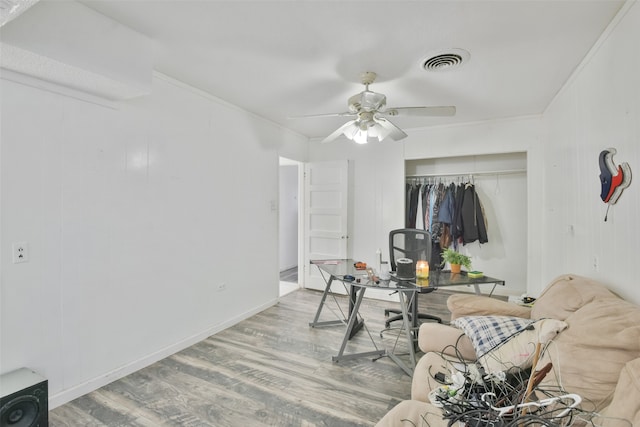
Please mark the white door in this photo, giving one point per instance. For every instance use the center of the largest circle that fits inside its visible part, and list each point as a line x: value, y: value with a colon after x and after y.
x: 325, y: 217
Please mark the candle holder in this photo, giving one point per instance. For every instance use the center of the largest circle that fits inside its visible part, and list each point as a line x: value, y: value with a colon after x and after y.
x: 422, y: 269
x: 423, y: 283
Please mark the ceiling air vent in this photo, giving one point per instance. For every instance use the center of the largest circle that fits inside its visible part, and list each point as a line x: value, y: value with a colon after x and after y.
x: 445, y: 60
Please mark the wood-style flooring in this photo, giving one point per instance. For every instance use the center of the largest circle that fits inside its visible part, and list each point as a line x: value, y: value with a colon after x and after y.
x: 269, y: 370
x: 289, y: 275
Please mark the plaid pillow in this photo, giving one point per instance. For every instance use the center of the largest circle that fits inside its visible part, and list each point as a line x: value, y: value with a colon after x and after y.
x: 488, y: 332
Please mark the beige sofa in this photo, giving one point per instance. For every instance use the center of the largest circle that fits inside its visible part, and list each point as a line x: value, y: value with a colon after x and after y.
x: 594, y: 351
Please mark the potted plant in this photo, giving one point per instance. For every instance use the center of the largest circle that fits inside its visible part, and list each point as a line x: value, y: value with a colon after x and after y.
x: 455, y: 259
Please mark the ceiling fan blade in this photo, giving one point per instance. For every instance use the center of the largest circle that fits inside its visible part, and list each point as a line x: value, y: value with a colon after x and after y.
x: 394, y: 131
x: 420, y: 111
x: 313, y: 116
x: 349, y: 125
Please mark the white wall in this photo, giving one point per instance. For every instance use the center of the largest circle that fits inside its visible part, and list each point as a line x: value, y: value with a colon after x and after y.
x: 598, y: 108
x: 134, y: 217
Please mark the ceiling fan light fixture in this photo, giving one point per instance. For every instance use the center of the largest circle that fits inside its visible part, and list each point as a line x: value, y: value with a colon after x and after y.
x: 360, y: 137
x: 445, y: 60
x: 363, y: 132
x: 378, y: 132
x: 370, y: 122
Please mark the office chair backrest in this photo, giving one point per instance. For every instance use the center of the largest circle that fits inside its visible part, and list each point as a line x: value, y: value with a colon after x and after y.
x: 409, y: 243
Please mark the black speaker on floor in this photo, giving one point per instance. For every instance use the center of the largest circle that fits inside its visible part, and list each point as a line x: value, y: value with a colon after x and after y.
x: 24, y: 399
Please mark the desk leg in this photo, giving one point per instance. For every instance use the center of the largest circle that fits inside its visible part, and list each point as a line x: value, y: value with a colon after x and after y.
x: 353, y: 320
x: 415, y: 321
x: 477, y: 288
x: 315, y: 322
x: 408, y: 326
x: 353, y: 296
x: 411, y: 326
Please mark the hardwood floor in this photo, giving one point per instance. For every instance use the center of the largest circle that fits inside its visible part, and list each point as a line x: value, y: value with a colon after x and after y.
x: 290, y: 275
x: 269, y: 370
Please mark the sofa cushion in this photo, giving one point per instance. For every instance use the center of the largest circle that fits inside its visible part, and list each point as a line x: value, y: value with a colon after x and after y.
x: 451, y: 341
x: 413, y: 413
x: 588, y: 356
x: 519, y: 351
x: 566, y: 294
x: 488, y: 332
x: 474, y: 305
x: 626, y: 399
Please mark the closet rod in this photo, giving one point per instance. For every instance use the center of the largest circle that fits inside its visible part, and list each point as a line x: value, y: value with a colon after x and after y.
x: 502, y: 172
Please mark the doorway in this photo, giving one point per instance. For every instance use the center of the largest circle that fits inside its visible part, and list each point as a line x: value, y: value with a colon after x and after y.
x: 289, y: 224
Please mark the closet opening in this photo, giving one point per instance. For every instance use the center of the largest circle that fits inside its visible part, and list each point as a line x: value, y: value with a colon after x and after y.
x: 500, y: 183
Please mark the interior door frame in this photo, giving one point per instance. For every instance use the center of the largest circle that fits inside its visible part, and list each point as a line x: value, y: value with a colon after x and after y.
x: 345, y: 165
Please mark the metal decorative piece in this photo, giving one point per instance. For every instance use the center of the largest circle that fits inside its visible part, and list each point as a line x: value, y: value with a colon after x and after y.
x: 613, y: 180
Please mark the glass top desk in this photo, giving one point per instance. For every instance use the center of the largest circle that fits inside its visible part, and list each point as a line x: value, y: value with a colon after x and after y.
x: 407, y: 290
x: 337, y: 270
x: 445, y: 279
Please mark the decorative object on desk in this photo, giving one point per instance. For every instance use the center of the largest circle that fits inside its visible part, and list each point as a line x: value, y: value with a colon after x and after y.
x: 384, y: 271
x: 372, y: 276
x: 405, y: 268
x: 455, y: 259
x: 422, y: 269
x: 360, y: 265
x: 475, y: 274
x: 613, y: 180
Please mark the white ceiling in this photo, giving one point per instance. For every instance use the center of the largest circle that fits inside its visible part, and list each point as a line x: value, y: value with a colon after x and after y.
x: 286, y: 58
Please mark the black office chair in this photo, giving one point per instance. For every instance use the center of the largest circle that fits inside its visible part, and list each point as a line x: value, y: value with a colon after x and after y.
x: 413, y: 244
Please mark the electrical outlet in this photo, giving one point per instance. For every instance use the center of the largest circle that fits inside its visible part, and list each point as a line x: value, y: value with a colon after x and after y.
x: 222, y: 287
x: 20, y: 252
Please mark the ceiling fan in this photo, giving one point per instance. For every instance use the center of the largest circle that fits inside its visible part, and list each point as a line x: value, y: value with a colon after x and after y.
x: 370, y: 115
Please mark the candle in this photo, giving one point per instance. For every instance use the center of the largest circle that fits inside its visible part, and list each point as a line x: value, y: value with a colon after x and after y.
x: 422, y: 269
x: 422, y: 282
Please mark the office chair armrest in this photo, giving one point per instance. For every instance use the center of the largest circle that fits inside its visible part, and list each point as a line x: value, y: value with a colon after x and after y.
x: 475, y: 305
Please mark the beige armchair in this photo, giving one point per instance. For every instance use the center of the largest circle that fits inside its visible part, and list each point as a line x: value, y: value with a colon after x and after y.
x: 596, y: 355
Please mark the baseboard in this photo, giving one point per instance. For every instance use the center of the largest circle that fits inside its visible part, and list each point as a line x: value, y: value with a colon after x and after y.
x: 102, y: 380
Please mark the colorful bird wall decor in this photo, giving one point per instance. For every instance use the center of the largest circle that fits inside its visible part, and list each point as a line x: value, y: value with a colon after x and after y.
x: 613, y: 179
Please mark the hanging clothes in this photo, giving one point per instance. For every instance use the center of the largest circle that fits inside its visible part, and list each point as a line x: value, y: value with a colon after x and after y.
x: 457, y: 226
x: 419, y: 217
x: 428, y: 213
x: 474, y: 226
x: 453, y: 214
x: 407, y: 203
x: 412, y: 203
x: 446, y: 216
x: 439, y: 191
x: 425, y: 197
